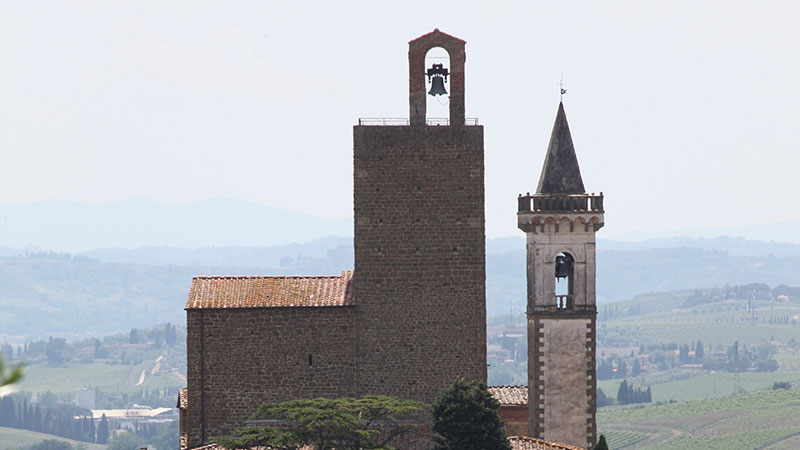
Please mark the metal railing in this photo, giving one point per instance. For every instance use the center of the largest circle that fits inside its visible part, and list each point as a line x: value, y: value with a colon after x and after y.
x: 559, y: 202
x: 401, y: 122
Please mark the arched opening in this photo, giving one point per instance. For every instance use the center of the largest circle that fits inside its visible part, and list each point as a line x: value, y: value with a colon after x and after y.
x: 437, y: 86
x: 564, y: 273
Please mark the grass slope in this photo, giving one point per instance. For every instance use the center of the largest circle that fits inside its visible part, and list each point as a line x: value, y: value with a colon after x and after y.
x: 11, y: 438
x: 107, y: 377
x: 765, y: 419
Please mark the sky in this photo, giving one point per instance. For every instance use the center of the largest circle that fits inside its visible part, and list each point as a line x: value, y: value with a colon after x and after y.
x: 683, y: 113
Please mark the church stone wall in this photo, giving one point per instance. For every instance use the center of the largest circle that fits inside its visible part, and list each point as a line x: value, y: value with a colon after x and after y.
x: 249, y: 356
x: 515, y: 418
x: 419, y: 279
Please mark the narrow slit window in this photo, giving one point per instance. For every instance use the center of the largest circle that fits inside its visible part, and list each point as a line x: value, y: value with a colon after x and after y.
x: 563, y: 281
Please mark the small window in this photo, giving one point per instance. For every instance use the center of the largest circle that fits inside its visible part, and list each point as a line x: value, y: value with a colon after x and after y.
x: 310, y: 361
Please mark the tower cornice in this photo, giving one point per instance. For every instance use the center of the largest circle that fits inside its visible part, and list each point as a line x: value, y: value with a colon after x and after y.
x: 546, y: 213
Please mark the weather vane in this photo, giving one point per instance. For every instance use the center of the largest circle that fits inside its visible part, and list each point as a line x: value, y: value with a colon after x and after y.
x: 561, y: 86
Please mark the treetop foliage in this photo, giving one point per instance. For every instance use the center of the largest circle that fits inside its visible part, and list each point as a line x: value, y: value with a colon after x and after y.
x: 465, y: 418
x: 601, y: 443
x: 342, y: 423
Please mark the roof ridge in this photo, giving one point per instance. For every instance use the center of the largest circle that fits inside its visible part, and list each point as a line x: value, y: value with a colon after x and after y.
x: 244, y: 277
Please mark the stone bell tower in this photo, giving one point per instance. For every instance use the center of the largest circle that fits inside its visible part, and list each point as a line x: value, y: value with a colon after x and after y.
x: 560, y: 221
x: 419, y: 278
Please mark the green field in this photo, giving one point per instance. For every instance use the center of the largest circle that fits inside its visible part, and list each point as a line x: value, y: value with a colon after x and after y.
x: 715, y: 333
x: 11, y: 438
x: 107, y: 377
x: 701, y: 385
x: 764, y: 419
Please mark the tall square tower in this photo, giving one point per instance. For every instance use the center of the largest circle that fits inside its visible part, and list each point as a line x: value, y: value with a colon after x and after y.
x: 560, y: 221
x: 419, y: 278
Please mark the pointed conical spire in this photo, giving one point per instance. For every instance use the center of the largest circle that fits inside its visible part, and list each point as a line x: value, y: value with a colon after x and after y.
x: 561, y: 174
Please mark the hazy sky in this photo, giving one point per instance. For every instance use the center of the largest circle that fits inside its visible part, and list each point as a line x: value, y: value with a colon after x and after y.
x: 684, y: 113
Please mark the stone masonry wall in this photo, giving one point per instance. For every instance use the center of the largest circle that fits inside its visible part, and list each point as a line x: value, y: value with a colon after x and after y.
x: 419, y: 279
x: 251, y: 356
x: 561, y: 380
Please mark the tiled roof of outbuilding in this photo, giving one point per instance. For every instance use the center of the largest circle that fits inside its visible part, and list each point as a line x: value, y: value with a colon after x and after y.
x: 510, y: 395
x: 271, y: 292
x: 260, y: 447
x: 529, y: 443
x: 517, y: 443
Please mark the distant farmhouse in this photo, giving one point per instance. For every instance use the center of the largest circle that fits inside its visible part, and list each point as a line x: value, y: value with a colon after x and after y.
x: 411, y: 317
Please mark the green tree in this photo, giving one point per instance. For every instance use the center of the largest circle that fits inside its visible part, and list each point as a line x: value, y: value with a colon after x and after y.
x: 637, y: 368
x: 622, y: 393
x: 601, y: 443
x: 8, y: 377
x: 102, y: 430
x: 603, y: 399
x: 57, y: 351
x: 124, y: 441
x: 50, y: 444
x: 465, y: 418
x: 699, y: 352
x: 342, y: 423
x: 605, y: 369
x: 781, y: 385
x: 167, y: 436
x: 133, y: 337
x: 622, y: 370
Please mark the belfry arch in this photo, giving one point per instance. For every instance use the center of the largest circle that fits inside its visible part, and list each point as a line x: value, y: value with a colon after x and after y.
x: 418, y: 92
x: 437, y: 82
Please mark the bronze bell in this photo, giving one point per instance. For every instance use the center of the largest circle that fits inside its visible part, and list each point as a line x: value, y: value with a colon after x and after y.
x: 437, y: 87
x: 437, y: 75
x: 563, y: 266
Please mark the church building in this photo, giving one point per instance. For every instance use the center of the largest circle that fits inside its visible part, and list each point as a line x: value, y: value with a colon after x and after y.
x: 407, y: 321
x: 411, y: 317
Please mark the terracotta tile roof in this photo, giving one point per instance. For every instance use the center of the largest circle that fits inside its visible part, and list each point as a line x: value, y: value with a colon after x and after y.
x: 271, y: 292
x: 529, y: 443
x: 510, y: 395
x: 183, y: 399
x: 260, y: 447
x: 517, y: 443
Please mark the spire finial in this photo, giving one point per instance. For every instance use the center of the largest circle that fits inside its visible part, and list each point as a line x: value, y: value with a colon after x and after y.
x: 561, y: 86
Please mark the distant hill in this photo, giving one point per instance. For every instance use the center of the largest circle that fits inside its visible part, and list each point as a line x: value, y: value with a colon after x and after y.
x: 231, y: 256
x: 74, y: 226
x: 112, y: 290
x: 626, y: 269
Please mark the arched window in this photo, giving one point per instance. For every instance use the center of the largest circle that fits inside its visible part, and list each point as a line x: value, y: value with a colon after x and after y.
x: 564, y: 271
x: 437, y: 86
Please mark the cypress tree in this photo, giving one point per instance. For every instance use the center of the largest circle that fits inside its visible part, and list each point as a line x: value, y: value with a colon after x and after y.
x: 601, y: 443
x: 637, y: 368
x: 622, y: 393
x: 102, y: 430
